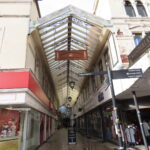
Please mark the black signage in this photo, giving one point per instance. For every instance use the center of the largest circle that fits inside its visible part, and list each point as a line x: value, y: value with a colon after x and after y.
x: 71, y: 136
x: 93, y: 73
x: 127, y: 73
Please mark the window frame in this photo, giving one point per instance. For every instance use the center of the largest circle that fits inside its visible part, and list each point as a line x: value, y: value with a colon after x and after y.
x: 139, y: 5
x: 128, y: 6
x: 135, y: 39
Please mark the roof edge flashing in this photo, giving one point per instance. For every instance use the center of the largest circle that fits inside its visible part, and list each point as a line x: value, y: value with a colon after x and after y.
x: 71, y: 11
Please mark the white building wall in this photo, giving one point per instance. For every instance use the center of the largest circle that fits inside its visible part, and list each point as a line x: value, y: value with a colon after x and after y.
x: 14, y: 25
x: 103, y: 9
x: 123, y: 29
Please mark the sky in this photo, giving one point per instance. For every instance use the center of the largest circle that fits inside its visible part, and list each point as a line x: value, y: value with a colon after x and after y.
x: 49, y: 6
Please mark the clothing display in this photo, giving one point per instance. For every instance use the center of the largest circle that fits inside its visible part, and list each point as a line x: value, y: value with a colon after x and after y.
x: 130, y: 134
x: 146, y: 128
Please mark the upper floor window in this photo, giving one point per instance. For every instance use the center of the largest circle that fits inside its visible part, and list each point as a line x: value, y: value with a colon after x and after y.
x: 147, y: 33
x: 101, y: 69
x: 137, y: 38
x: 129, y: 9
x: 141, y: 9
x: 107, y: 58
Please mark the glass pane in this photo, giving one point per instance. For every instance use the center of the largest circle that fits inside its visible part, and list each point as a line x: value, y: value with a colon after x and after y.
x: 141, y: 10
x: 129, y: 9
x: 137, y: 38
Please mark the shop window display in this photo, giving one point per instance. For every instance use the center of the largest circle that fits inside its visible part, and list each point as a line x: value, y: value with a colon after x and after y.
x: 9, y: 129
x: 94, y: 121
x: 9, y: 123
x: 133, y: 135
x: 110, y: 132
x: 33, y: 128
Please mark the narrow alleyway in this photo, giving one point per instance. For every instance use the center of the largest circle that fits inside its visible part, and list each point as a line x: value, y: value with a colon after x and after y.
x: 59, y: 142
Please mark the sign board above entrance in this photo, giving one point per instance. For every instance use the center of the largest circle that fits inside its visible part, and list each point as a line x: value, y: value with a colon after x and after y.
x: 71, y: 55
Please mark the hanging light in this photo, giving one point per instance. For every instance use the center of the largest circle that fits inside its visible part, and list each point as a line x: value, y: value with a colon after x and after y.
x: 69, y: 98
x: 72, y: 84
x: 68, y: 105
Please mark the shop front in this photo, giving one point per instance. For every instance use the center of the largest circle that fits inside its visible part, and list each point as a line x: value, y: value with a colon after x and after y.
x: 10, y: 131
x: 131, y: 125
x: 108, y: 123
x: 90, y: 124
x: 94, y: 124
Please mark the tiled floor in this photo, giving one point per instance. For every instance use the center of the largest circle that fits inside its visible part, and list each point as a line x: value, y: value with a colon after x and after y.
x: 60, y: 142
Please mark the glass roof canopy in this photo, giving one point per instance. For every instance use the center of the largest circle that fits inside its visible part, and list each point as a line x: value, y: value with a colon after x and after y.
x: 71, y: 29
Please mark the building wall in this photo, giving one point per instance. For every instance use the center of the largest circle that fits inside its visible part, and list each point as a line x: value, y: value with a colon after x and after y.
x: 103, y: 9
x: 124, y: 26
x: 18, y: 48
x: 14, y: 23
x: 119, y: 45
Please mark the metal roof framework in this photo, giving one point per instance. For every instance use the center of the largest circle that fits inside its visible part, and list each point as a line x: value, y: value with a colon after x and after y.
x: 70, y: 29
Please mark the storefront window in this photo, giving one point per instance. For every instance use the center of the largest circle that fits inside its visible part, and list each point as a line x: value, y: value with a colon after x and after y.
x: 9, y: 123
x: 110, y: 134
x: 33, y: 128
x: 94, y: 124
x: 9, y: 129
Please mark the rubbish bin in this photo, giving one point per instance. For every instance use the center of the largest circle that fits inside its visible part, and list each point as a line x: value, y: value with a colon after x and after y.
x: 71, y: 136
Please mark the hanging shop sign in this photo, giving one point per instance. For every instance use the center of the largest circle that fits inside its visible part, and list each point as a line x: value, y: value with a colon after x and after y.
x: 71, y: 55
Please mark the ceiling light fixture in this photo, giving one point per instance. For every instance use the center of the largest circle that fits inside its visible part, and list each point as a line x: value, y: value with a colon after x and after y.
x: 69, y: 98
x: 72, y: 84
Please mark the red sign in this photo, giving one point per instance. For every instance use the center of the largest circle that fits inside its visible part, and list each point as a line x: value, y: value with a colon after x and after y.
x: 71, y: 55
x: 14, y: 80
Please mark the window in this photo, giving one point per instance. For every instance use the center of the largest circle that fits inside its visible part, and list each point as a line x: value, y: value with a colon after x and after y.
x: 129, y: 9
x: 107, y: 58
x: 137, y: 38
x: 101, y: 69
x: 141, y: 9
x: 93, y: 83
x: 148, y: 33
